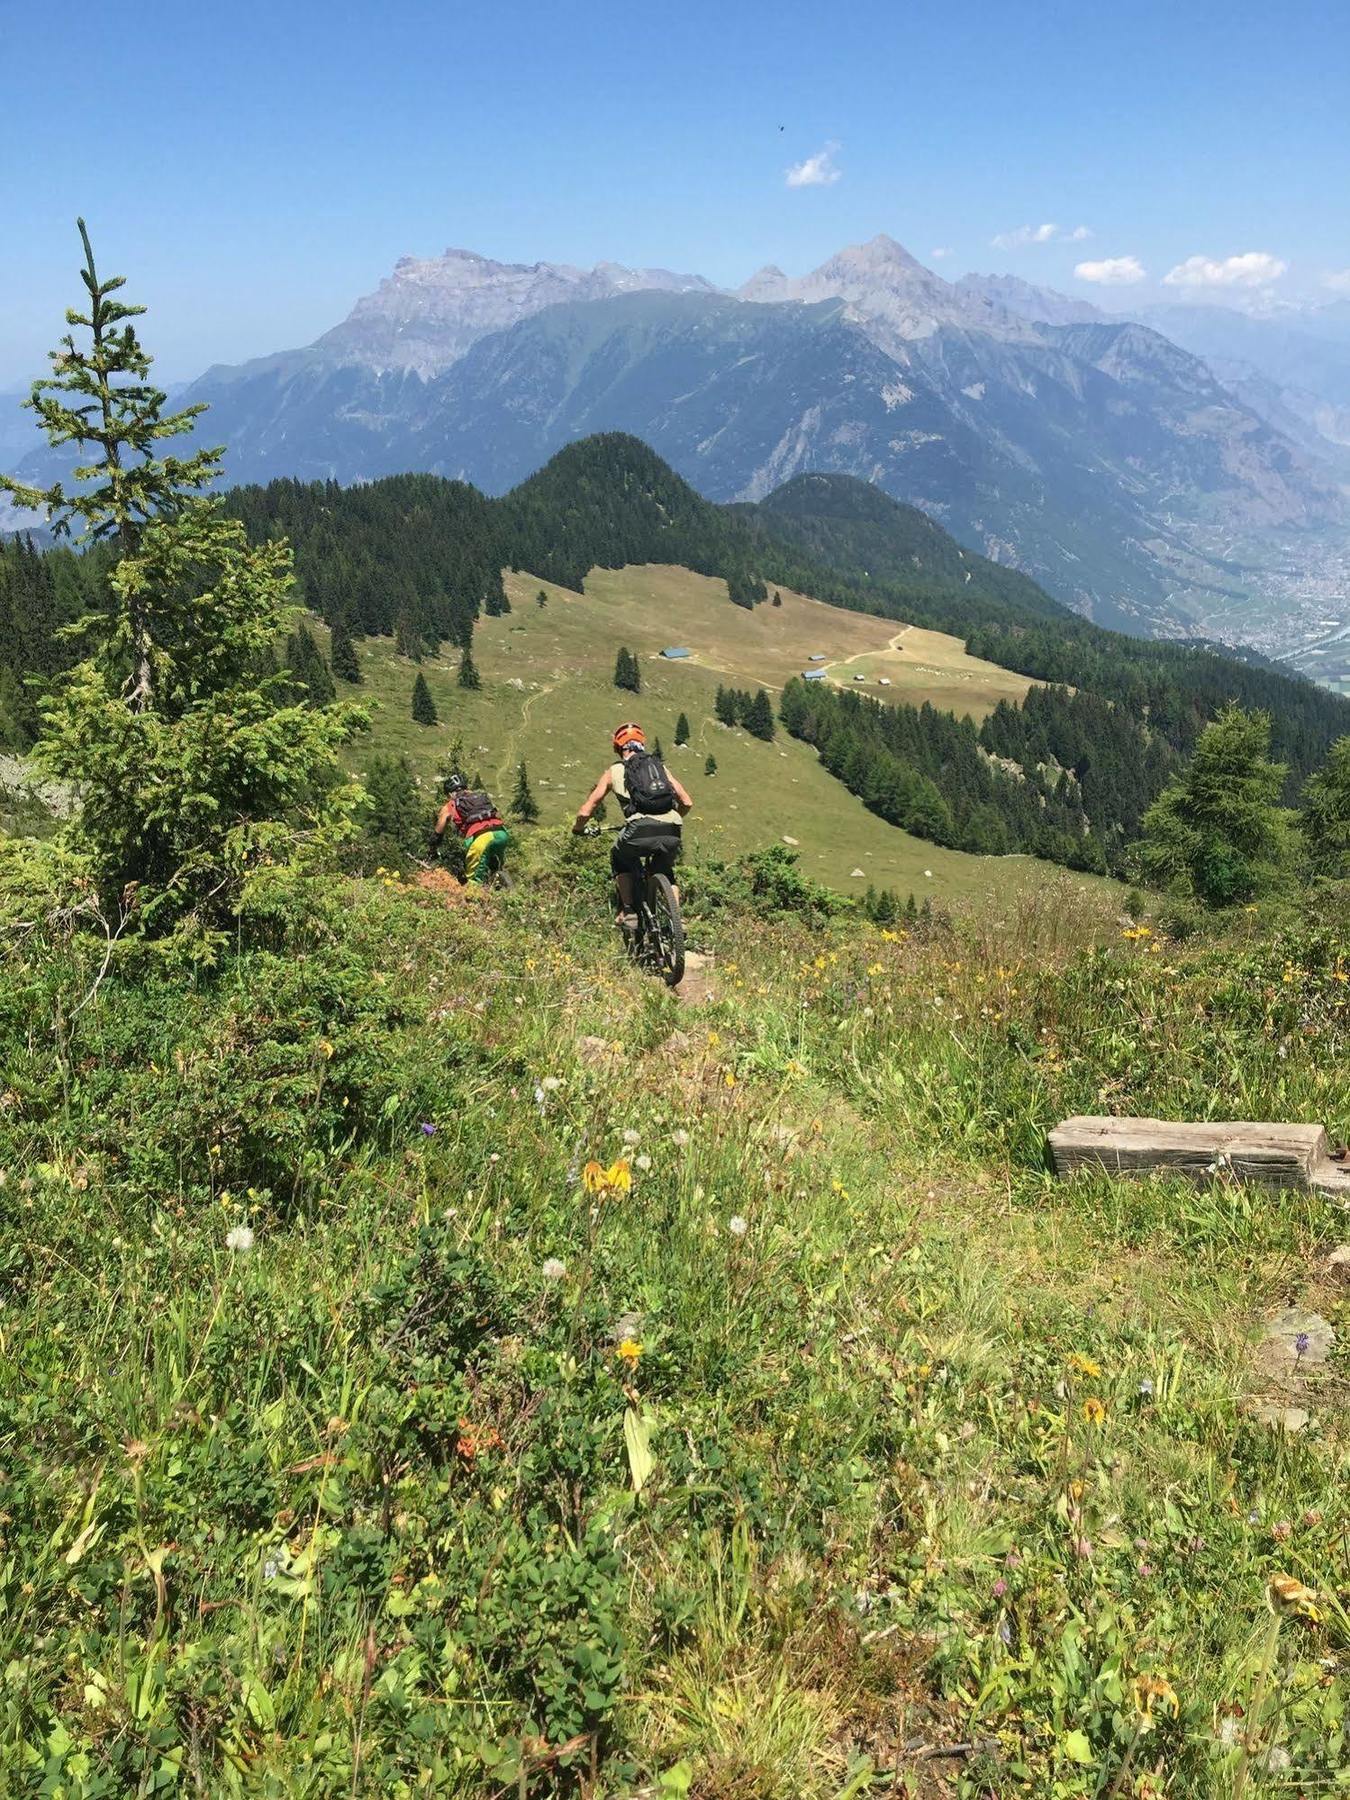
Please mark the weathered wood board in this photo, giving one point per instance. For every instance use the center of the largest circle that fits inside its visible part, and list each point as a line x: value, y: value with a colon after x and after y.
x: 1287, y: 1156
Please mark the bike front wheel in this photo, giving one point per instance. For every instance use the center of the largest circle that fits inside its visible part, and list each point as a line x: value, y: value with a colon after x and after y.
x: 665, y: 930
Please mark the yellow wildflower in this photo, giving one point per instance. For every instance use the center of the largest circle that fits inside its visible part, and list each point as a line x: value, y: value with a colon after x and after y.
x: 629, y: 1351
x: 616, y: 1179
x: 1289, y: 1599
x: 1094, y: 1412
x: 1155, y: 1690
x: 1084, y: 1365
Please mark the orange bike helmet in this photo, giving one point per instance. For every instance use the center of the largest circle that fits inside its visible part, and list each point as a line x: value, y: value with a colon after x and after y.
x: 628, y: 736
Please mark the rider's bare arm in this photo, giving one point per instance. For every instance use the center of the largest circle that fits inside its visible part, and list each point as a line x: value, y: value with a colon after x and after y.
x: 682, y: 799
x: 443, y: 818
x: 590, y: 803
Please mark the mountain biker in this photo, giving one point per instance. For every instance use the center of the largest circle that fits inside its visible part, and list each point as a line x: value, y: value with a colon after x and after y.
x: 479, y: 826
x: 654, y: 805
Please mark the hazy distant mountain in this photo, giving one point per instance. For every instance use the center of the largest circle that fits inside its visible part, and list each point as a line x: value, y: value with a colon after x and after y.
x: 431, y: 309
x: 1086, y: 451
x: 1042, y: 305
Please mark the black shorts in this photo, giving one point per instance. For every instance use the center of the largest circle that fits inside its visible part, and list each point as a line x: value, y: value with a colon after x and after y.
x: 652, y: 840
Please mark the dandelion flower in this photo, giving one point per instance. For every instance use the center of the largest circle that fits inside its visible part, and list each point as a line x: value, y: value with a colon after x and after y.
x: 737, y: 1226
x: 553, y: 1268
x: 239, y: 1238
x: 1084, y: 1365
x: 629, y: 1351
x: 1094, y: 1412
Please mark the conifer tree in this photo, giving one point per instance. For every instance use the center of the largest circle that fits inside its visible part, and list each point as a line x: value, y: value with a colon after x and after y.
x: 1216, y: 830
x: 777, y: 598
x: 395, y: 823
x: 682, y: 730
x: 407, y: 638
x: 710, y: 766
x: 308, y: 669
x: 346, y: 664
x: 468, y: 676
x: 1324, y: 814
x: 541, y: 599
x: 627, y: 675
x: 725, y: 706
x: 523, y: 804
x: 759, y: 717
x: 423, y: 706
x: 171, y: 700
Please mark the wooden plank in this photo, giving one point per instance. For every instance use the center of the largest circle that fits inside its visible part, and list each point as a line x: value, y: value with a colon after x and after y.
x: 1284, y: 1156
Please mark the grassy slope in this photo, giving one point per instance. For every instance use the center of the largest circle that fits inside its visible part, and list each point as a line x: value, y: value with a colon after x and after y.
x: 561, y: 717
x: 337, y: 1517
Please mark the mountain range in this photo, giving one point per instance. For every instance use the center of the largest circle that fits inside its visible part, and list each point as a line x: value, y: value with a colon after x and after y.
x: 1105, y: 459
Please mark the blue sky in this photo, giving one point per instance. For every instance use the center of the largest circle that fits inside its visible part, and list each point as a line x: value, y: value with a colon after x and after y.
x: 254, y: 168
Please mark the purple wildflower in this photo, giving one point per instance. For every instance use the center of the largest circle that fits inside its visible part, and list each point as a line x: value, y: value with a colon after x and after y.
x: 428, y: 1129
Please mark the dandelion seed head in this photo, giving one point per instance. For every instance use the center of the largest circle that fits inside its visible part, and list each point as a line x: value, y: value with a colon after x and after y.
x: 642, y: 1162
x: 239, y: 1238
x: 679, y: 1138
x: 553, y: 1268
x: 550, y: 1084
x: 737, y: 1226
x: 631, y: 1137
x: 1146, y: 1388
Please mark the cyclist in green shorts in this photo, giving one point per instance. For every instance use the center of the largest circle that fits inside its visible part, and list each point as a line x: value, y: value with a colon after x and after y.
x: 476, y: 821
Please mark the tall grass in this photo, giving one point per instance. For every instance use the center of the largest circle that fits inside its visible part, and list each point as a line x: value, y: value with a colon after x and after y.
x: 842, y: 1436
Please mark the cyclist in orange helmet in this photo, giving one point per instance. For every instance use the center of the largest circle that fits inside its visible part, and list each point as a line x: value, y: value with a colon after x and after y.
x: 654, y: 805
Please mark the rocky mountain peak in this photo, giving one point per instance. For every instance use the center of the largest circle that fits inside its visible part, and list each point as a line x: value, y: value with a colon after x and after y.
x: 430, y: 310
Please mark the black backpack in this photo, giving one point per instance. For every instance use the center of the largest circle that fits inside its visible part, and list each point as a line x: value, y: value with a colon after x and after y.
x: 474, y: 809
x: 647, y: 784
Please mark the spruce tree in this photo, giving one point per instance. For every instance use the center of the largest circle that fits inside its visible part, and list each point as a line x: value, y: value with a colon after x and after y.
x: 468, y: 676
x: 777, y: 598
x: 523, y: 804
x: 195, y: 770
x: 759, y: 717
x: 541, y: 599
x: 627, y: 675
x: 682, y: 730
x: 710, y: 766
x: 423, y: 706
x: 346, y: 664
x: 1216, y: 830
x: 725, y: 706
x: 308, y: 669
x: 1324, y: 814
x: 395, y: 822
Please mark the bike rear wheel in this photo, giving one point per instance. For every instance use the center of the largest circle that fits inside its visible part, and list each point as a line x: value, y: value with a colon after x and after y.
x: 664, y: 930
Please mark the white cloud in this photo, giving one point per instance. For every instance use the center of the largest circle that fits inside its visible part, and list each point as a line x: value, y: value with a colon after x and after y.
x: 1338, y: 280
x: 817, y: 171
x: 1040, y: 234
x: 1112, y: 271
x: 1256, y: 268
x: 1025, y: 234
x: 943, y: 250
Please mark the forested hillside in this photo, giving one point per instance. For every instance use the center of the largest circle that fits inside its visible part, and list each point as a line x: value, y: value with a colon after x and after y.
x: 1068, y: 777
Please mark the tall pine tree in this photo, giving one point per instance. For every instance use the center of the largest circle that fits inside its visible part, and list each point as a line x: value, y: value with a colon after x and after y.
x: 468, y: 676
x: 682, y: 730
x: 523, y: 804
x: 627, y: 675
x: 423, y: 706
x: 346, y: 664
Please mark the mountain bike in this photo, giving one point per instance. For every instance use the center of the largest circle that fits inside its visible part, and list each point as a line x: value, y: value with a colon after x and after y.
x: 657, y: 942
